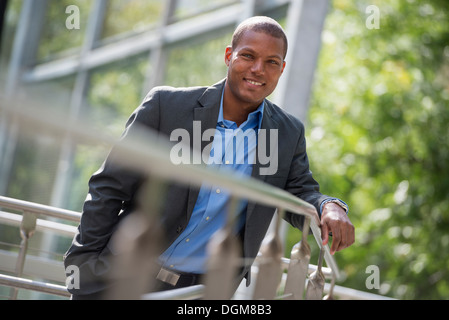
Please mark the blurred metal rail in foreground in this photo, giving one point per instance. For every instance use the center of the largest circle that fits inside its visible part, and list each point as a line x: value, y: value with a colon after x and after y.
x: 195, y: 292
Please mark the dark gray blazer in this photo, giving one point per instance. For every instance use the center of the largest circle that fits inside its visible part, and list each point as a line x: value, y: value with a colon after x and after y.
x: 112, y: 189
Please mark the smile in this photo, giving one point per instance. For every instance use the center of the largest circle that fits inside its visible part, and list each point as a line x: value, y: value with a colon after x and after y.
x: 255, y: 83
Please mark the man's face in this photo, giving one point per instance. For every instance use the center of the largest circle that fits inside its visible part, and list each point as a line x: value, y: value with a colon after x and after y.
x: 254, y: 67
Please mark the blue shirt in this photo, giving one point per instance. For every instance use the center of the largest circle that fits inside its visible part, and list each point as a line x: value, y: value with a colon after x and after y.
x: 233, y: 148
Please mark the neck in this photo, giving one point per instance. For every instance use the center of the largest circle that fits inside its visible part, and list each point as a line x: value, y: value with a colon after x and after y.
x: 236, y: 110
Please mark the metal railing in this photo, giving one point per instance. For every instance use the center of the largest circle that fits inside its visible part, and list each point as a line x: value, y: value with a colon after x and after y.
x: 28, y: 224
x: 153, y: 161
x: 194, y: 292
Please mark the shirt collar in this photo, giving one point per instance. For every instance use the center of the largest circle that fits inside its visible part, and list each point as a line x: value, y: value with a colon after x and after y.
x: 256, y: 115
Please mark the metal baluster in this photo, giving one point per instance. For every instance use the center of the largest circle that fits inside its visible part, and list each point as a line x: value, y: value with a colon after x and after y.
x: 269, y: 275
x: 330, y: 295
x: 316, y: 282
x: 27, y: 228
x: 299, y: 266
x: 135, y: 245
x: 224, y: 253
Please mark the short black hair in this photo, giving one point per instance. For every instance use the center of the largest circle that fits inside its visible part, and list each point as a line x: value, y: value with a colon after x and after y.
x: 260, y: 24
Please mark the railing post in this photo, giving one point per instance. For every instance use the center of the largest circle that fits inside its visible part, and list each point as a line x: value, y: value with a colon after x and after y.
x: 298, y: 266
x: 330, y: 295
x: 135, y: 245
x: 27, y: 228
x: 269, y: 275
x: 315, y: 286
x: 223, y: 259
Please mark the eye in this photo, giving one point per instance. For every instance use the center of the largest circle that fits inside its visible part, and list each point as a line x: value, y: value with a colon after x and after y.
x: 274, y: 62
x: 247, y: 55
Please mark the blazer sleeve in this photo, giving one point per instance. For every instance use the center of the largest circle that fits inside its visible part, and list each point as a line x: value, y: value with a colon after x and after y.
x: 300, y: 181
x: 111, y: 191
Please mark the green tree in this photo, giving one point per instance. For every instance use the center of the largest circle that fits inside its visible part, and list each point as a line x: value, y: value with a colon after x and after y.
x: 378, y: 138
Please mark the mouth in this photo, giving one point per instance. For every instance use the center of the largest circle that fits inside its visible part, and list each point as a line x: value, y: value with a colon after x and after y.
x: 254, y: 82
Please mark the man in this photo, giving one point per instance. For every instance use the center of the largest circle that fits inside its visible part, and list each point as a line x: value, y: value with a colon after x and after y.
x: 232, y: 107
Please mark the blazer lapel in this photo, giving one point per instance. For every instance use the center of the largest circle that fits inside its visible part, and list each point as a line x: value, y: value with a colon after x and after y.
x: 206, y: 114
x: 208, y: 111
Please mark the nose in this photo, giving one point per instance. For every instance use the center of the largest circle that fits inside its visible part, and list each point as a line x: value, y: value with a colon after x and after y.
x: 258, y: 67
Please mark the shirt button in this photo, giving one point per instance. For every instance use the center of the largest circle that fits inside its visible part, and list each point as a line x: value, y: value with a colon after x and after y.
x: 187, y: 240
x: 207, y: 218
x: 218, y: 191
x: 227, y: 161
x: 171, y: 266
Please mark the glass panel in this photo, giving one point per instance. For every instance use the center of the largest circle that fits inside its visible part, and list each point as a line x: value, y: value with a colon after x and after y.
x: 188, y: 8
x: 114, y: 92
x: 200, y: 64
x: 87, y: 160
x: 55, y: 95
x: 56, y: 38
x: 34, y: 169
x: 7, y: 36
x: 37, y: 149
x: 125, y: 16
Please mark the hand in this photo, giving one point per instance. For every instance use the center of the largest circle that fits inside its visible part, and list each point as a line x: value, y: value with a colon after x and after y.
x: 334, y: 219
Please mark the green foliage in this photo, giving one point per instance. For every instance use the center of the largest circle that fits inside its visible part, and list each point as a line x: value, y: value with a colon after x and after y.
x: 188, y: 8
x: 131, y: 16
x: 56, y: 39
x: 187, y: 64
x: 378, y: 138
x: 115, y: 90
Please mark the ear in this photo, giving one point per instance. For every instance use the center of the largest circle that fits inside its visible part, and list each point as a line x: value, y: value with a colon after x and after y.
x: 283, y: 67
x: 228, y: 55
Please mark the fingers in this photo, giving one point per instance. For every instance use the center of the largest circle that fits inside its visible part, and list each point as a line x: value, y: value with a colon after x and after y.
x: 324, y: 234
x: 336, y: 240
x: 342, y: 233
x: 342, y: 236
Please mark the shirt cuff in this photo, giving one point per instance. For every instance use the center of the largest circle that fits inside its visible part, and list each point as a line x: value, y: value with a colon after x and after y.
x: 330, y: 199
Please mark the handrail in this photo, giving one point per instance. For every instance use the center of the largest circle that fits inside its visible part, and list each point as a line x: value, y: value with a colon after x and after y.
x: 195, y: 292
x: 36, y: 208
x: 187, y: 293
x: 21, y: 283
x: 41, y: 225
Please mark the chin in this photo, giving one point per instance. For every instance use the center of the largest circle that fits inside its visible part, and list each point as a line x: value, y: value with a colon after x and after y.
x: 250, y: 97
